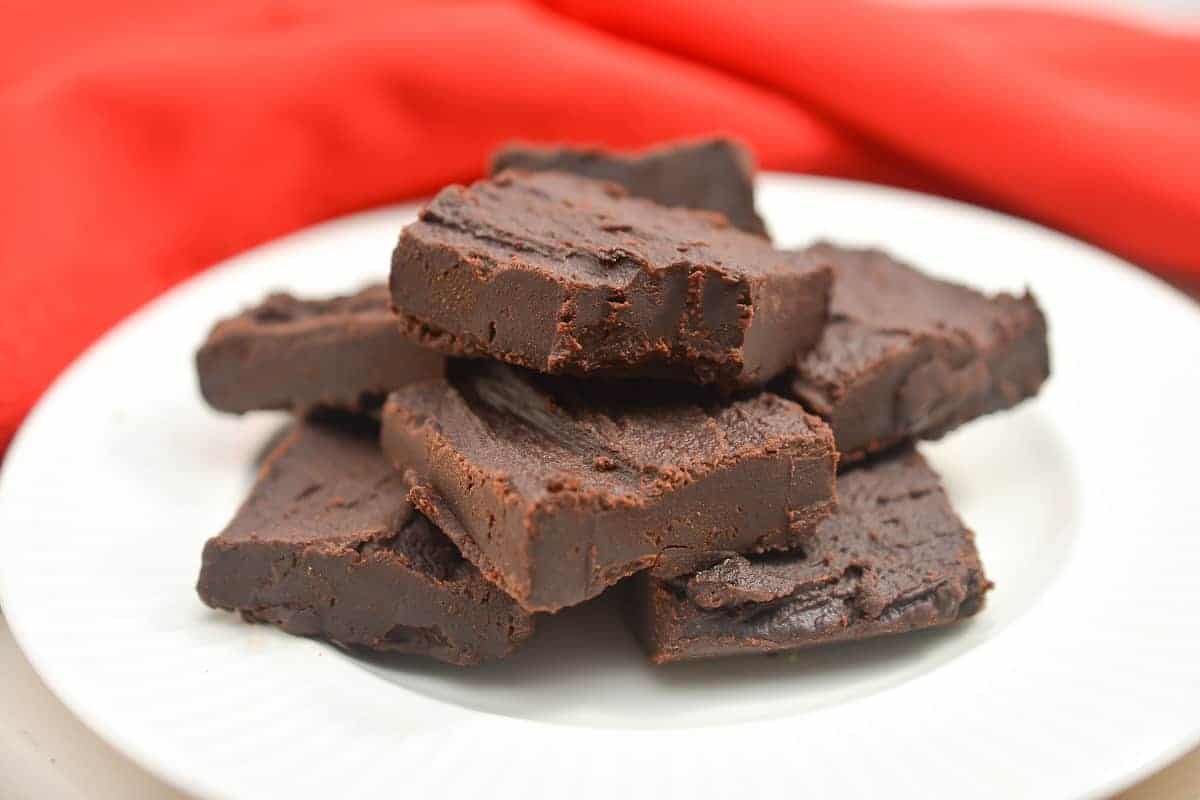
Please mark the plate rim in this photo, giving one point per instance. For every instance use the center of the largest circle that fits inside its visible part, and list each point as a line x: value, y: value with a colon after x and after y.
x: 145, y: 757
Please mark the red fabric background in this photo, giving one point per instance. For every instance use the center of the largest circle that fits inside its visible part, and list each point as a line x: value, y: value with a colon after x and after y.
x: 141, y: 141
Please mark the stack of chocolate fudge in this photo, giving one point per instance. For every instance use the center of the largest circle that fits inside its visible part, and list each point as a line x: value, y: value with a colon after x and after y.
x: 594, y: 369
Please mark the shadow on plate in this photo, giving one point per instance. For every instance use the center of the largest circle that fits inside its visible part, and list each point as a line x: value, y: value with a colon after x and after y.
x: 583, y: 667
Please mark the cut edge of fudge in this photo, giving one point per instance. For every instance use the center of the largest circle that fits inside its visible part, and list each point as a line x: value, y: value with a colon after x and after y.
x: 556, y: 489
x: 712, y: 174
x: 327, y: 545
x: 908, y: 356
x: 566, y: 275
x: 895, y: 557
x: 289, y: 353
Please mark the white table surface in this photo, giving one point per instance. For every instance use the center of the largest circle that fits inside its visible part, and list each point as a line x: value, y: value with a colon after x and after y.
x: 48, y: 754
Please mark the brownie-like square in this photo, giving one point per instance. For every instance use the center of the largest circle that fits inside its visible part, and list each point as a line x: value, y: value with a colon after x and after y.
x: 343, y: 352
x: 557, y: 488
x: 328, y: 545
x: 907, y: 356
x: 563, y: 274
x: 894, y: 557
x: 714, y: 174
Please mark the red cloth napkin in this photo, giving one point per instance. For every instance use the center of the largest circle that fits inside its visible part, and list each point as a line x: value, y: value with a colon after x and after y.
x: 141, y: 141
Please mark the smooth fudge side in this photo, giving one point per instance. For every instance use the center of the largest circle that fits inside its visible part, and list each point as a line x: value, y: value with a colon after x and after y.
x: 288, y: 353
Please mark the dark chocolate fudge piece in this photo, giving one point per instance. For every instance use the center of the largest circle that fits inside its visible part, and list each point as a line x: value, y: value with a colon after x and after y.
x: 893, y: 558
x: 328, y: 545
x: 710, y: 174
x: 563, y: 274
x: 287, y: 353
x: 557, y: 488
x: 906, y: 356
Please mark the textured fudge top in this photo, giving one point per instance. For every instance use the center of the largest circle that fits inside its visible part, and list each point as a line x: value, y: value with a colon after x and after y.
x: 893, y: 541
x: 552, y: 435
x: 284, y: 312
x: 711, y: 174
x: 879, y: 303
x: 568, y: 275
x: 330, y: 486
x: 591, y: 231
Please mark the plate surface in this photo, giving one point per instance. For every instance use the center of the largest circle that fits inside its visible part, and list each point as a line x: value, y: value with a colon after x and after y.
x: 1079, y: 677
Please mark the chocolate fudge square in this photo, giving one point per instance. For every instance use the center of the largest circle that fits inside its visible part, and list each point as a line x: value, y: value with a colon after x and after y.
x: 906, y: 356
x: 328, y: 545
x: 566, y: 275
x: 287, y: 353
x: 557, y: 488
x: 712, y: 174
x: 893, y: 558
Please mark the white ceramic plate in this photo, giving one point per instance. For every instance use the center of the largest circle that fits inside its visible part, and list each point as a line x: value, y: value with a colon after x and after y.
x: 1082, y: 675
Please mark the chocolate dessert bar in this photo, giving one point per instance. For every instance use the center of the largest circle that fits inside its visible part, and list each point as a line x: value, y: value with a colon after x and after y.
x: 287, y: 353
x: 328, y: 545
x: 710, y: 174
x: 557, y: 488
x: 563, y: 274
x: 893, y: 558
x: 907, y: 356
